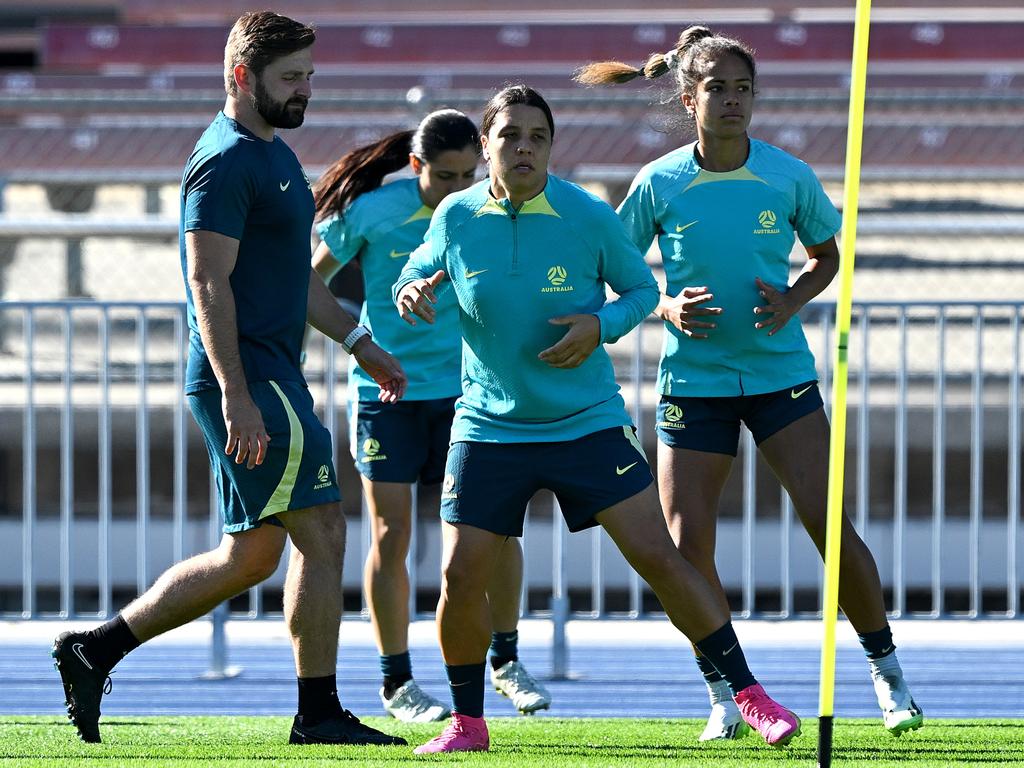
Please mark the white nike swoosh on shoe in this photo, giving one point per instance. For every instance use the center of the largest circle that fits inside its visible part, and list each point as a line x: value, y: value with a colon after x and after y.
x: 77, y: 650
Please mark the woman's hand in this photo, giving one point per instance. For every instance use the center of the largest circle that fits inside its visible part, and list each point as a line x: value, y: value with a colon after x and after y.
x: 781, y: 305
x: 418, y: 298
x: 572, y: 349
x: 687, y: 311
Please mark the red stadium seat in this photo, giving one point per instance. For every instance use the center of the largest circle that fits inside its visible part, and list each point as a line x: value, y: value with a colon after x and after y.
x: 83, y: 47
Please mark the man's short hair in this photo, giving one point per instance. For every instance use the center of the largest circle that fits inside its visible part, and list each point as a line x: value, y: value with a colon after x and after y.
x: 259, y: 37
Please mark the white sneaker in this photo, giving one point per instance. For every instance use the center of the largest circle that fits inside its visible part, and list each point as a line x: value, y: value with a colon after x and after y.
x: 899, y: 711
x: 513, y: 681
x: 411, y: 704
x: 725, y: 722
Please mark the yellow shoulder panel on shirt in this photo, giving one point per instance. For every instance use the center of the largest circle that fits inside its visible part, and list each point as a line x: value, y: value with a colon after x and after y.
x: 707, y: 177
x: 423, y: 212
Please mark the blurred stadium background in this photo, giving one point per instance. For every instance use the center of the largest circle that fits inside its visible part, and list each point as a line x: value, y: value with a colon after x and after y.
x: 103, y: 479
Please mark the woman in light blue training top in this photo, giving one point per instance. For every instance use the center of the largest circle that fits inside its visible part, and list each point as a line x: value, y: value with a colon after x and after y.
x: 528, y: 258
x: 397, y: 444
x: 725, y: 211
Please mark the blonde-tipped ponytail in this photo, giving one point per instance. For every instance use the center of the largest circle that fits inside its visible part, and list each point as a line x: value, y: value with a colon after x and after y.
x: 606, y: 73
x: 615, y: 72
x: 680, y: 59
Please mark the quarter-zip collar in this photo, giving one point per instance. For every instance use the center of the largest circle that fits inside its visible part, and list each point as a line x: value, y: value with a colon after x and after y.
x: 538, y: 204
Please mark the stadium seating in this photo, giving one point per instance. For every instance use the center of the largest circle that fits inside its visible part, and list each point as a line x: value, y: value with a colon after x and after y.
x: 924, y: 86
x: 128, y: 99
x: 587, y: 142
x: 135, y: 96
x: 92, y: 47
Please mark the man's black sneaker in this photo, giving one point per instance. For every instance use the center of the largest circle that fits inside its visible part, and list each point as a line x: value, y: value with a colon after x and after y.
x: 340, y: 729
x: 84, y: 684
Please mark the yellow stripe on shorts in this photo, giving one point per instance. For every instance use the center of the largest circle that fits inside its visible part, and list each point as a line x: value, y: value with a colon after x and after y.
x: 282, y: 495
x: 353, y: 429
x: 631, y: 436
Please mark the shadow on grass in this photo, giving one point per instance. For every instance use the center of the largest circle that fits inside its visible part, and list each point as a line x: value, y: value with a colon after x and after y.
x: 979, y: 753
x: 755, y: 753
x: 63, y: 722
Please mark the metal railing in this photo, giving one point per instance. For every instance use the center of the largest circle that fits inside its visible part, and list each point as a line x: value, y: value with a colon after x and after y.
x: 110, y: 480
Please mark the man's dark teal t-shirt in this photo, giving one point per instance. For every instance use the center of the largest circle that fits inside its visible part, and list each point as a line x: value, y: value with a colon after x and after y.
x: 255, y: 191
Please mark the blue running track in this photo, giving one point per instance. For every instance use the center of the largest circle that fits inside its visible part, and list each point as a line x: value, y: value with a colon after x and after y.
x: 618, y: 669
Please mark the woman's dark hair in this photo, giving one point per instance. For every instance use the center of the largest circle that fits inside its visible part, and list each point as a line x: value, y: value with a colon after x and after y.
x: 696, y: 47
x: 363, y: 170
x: 515, y: 94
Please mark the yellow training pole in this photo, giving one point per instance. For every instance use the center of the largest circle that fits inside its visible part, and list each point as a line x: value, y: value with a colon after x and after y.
x: 837, y: 446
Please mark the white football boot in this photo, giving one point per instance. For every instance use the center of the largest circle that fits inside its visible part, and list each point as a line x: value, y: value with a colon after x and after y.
x: 899, y: 711
x: 513, y: 681
x: 411, y: 704
x: 724, y: 722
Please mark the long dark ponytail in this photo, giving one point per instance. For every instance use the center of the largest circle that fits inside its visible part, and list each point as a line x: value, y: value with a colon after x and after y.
x: 363, y: 170
x: 360, y: 171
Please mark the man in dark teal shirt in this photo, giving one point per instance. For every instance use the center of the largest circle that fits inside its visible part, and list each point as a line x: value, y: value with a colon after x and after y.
x: 246, y: 216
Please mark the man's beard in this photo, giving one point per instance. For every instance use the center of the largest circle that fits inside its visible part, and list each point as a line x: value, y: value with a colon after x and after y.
x: 278, y: 114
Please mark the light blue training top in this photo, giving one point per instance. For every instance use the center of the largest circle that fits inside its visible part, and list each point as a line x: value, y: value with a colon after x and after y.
x: 382, y: 228
x: 722, y: 230
x: 511, y: 272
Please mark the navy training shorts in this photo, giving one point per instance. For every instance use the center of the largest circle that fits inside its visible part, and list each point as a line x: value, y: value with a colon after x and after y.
x: 298, y: 470
x: 401, y: 442
x: 712, y: 424
x: 488, y: 485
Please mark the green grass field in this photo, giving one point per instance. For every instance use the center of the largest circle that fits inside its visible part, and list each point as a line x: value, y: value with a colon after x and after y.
x: 227, y: 742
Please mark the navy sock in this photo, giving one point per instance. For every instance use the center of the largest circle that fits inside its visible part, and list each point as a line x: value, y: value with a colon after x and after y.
x: 397, y: 671
x: 722, y: 649
x: 108, y: 644
x: 318, y: 698
x: 466, y: 682
x: 504, y: 648
x: 877, y: 644
x: 711, y: 675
